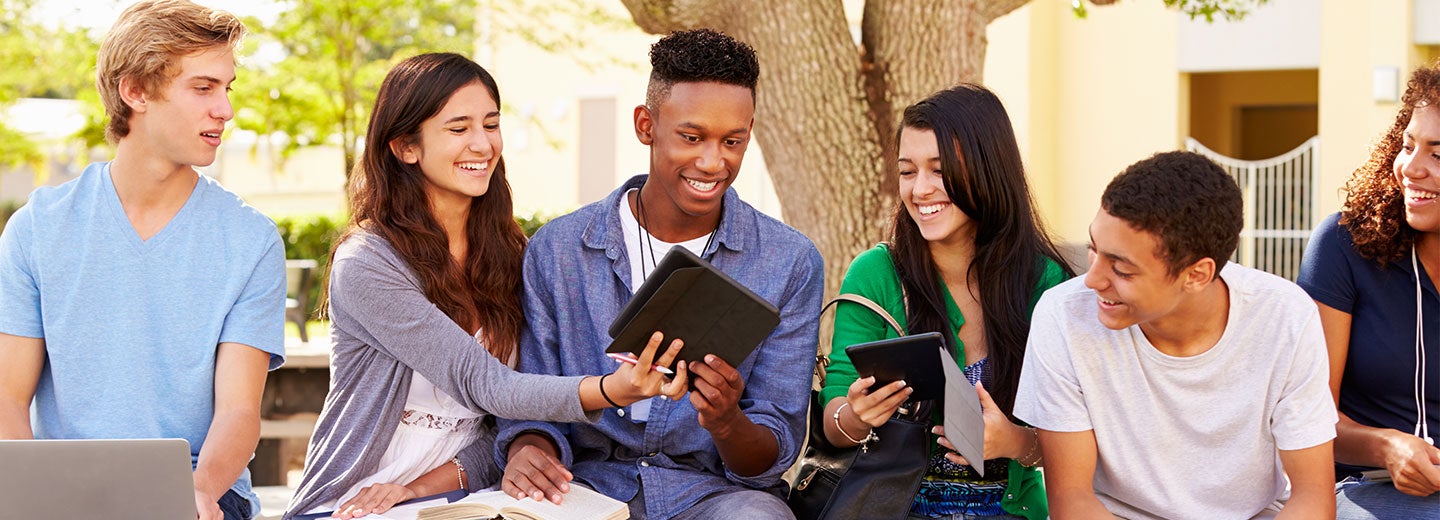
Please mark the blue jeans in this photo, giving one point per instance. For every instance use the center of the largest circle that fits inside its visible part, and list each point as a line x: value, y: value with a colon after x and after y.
x: 234, y: 506
x: 748, y: 503
x: 963, y: 516
x: 1357, y: 499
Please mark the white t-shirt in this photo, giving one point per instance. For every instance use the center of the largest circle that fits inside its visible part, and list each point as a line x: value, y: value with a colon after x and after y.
x: 644, y: 255
x: 1193, y: 437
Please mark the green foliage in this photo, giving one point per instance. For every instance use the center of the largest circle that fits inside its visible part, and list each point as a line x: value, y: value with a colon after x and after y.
x: 8, y: 208
x: 93, y: 133
x: 38, y: 61
x: 17, y: 149
x: 335, y: 55
x: 532, y: 223
x: 1231, y: 10
x: 313, y: 237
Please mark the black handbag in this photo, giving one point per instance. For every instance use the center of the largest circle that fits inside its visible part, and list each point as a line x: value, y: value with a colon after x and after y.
x: 877, y: 480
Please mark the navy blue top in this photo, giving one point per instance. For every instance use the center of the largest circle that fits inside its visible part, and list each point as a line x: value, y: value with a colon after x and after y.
x: 1378, y: 387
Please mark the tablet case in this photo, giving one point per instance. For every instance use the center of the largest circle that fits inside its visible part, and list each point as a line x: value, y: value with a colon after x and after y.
x: 964, y: 420
x: 916, y: 359
x: 685, y: 297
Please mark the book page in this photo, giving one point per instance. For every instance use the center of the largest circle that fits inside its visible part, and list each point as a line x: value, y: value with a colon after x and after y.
x: 579, y: 504
x: 476, y: 505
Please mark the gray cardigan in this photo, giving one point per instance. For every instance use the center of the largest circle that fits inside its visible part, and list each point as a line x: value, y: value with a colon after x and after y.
x: 384, y: 328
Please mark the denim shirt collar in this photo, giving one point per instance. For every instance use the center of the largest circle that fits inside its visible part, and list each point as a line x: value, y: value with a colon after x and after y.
x: 605, y: 233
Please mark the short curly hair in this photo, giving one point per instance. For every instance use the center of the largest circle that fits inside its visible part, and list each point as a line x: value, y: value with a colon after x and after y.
x: 699, y: 55
x: 1186, y: 200
x: 1374, y: 210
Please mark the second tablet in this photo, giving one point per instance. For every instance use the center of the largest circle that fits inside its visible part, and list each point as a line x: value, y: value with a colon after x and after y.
x: 915, y: 358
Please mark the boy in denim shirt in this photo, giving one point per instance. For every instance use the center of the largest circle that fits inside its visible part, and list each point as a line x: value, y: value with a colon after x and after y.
x: 720, y: 452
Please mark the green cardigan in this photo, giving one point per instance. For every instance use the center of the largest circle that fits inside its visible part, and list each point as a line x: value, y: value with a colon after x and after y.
x: 873, y: 276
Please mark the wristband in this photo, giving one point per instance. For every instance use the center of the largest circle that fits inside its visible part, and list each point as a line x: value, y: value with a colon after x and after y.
x: 605, y: 395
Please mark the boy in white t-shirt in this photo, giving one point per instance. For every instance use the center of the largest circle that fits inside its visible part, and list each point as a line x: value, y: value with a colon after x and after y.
x: 1167, y: 384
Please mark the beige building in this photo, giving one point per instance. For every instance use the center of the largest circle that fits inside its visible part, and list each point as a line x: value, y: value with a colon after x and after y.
x: 1091, y: 96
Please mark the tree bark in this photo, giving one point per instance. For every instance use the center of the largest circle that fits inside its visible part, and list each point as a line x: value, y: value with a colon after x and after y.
x: 827, y: 108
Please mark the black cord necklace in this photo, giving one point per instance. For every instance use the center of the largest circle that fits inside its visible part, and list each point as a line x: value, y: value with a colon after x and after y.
x: 643, y: 234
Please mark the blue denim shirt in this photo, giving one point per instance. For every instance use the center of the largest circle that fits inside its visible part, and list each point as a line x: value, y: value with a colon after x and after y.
x: 577, y: 277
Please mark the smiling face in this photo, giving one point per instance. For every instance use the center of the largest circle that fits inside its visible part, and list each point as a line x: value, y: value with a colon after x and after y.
x: 182, y: 123
x: 458, y: 148
x: 1417, y: 170
x: 1133, y: 284
x: 697, y: 138
x: 922, y: 190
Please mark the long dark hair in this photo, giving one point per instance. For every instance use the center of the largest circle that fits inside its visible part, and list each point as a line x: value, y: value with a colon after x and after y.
x: 1374, y: 209
x: 388, y: 198
x: 983, y: 175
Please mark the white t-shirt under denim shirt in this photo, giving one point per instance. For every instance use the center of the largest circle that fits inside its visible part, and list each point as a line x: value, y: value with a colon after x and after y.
x: 644, y: 255
x: 1193, y: 437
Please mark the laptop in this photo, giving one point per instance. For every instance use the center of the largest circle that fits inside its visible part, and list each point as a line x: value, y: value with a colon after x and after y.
x: 113, y: 479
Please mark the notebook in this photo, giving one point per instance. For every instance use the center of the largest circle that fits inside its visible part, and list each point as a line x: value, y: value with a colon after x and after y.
x: 915, y: 358
x: 685, y: 297
x: 964, y: 421
x: 580, y: 503
x: 149, y: 479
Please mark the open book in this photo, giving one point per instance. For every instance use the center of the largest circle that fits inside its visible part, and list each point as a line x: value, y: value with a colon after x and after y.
x: 579, y: 504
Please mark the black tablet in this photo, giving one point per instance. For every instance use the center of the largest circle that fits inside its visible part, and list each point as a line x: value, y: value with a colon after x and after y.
x: 915, y: 358
x: 685, y: 297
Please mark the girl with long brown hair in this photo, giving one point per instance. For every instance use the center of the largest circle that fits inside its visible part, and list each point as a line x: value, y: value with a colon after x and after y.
x: 968, y: 257
x: 424, y: 298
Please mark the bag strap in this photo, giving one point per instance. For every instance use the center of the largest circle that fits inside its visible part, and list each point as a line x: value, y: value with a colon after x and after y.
x: 868, y: 304
x: 822, y: 357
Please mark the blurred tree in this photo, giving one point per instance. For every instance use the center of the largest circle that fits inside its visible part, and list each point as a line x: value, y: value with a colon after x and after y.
x: 39, y: 61
x: 333, y: 56
x: 828, y: 107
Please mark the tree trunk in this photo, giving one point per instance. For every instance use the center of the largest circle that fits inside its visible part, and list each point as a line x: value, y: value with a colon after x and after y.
x: 827, y: 108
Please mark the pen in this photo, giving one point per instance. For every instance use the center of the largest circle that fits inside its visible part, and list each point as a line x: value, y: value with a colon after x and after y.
x: 627, y: 358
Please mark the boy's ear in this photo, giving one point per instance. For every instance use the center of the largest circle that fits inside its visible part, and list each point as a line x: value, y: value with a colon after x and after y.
x: 1199, y: 274
x: 133, y: 94
x: 644, y: 125
x: 404, y: 150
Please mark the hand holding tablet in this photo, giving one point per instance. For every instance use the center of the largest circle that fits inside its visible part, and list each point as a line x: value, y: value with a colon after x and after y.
x: 914, y: 359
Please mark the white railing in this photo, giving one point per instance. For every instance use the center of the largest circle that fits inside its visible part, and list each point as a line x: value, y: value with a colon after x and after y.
x: 1280, y: 195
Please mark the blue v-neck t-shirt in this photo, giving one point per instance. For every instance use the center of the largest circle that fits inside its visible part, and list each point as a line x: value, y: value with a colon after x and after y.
x: 131, y: 326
